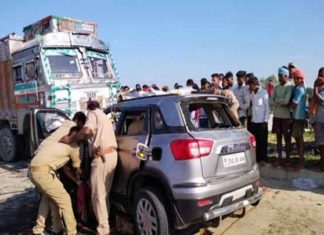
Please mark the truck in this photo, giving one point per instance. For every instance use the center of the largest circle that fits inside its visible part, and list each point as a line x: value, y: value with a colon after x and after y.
x: 47, y: 75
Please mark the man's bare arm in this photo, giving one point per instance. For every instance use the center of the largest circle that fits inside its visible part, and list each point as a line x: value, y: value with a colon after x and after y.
x: 79, y: 136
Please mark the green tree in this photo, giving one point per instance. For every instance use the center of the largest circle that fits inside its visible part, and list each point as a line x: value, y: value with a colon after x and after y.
x: 309, y: 92
x: 264, y: 81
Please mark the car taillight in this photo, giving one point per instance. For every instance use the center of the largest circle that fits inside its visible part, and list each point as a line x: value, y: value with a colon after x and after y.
x: 186, y: 149
x: 204, y: 202
x: 252, y: 141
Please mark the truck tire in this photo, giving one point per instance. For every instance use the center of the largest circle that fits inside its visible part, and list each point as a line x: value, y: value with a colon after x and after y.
x: 8, y: 146
x: 150, y: 213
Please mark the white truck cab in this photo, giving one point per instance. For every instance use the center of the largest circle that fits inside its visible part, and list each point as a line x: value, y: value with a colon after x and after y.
x: 59, y: 63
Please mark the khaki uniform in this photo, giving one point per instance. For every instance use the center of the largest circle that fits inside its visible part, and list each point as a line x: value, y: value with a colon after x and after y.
x: 102, y: 171
x: 49, y: 157
x: 48, y: 205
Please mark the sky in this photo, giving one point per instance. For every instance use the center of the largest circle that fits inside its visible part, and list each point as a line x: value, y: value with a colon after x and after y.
x: 168, y: 41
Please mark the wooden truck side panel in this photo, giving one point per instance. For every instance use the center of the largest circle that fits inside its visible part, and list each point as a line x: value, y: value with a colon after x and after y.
x: 7, y: 96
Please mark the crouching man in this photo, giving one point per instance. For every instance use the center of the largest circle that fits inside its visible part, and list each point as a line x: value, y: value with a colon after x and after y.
x: 51, y: 156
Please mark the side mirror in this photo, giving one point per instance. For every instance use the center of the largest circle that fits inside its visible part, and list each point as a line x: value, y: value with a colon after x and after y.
x: 142, y: 152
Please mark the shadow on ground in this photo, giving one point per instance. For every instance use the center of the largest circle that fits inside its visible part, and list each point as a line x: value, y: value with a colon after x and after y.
x: 18, y: 212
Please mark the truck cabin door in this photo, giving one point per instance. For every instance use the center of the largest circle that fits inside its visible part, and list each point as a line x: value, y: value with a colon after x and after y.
x: 45, y: 122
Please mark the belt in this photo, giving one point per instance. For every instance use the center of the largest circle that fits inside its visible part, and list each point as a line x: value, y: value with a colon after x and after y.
x: 40, y: 168
x: 103, y: 152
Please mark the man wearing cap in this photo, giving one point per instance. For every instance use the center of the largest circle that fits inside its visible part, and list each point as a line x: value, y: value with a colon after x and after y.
x: 281, y: 118
x: 298, y: 103
x: 241, y: 93
x: 260, y: 117
x: 103, y: 145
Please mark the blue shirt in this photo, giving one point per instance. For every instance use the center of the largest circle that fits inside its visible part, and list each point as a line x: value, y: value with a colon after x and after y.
x: 299, y: 98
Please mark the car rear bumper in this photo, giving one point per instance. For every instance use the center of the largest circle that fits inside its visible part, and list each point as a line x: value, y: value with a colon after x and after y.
x: 218, y: 212
x: 191, y: 211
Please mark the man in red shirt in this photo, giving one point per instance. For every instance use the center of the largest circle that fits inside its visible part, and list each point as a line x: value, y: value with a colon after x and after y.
x: 270, y: 87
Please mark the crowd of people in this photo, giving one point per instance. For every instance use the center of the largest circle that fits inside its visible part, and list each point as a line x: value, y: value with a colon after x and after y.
x: 252, y: 104
x: 249, y: 102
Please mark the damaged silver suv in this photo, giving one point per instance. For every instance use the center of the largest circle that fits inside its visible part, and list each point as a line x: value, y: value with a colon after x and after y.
x: 183, y: 160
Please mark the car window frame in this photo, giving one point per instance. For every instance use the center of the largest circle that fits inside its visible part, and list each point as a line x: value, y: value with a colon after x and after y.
x: 119, y: 124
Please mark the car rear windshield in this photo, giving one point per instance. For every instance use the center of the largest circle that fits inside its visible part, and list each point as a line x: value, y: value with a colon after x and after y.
x: 205, y: 114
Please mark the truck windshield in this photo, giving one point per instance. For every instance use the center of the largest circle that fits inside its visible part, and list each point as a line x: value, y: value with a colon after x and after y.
x: 99, y: 67
x: 63, y: 64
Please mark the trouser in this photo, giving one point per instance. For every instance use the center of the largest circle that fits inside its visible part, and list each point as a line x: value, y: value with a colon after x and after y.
x: 242, y: 120
x: 260, y: 131
x: 234, y: 107
x: 102, y: 173
x: 249, y: 123
x: 47, y: 205
x: 49, y: 185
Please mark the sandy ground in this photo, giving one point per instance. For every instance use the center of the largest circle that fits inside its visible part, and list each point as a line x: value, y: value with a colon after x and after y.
x: 18, y: 199
x: 283, y: 209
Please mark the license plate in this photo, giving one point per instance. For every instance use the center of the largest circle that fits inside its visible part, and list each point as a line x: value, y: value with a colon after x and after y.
x: 91, y: 95
x: 234, y: 159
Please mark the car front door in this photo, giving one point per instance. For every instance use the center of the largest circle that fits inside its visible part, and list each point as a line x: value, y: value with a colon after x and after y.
x: 133, y: 128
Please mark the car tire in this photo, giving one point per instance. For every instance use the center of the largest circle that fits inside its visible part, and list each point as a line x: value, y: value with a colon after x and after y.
x: 8, y: 147
x: 150, y: 214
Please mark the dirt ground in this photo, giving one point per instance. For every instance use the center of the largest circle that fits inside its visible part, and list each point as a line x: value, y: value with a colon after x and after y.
x: 284, y: 209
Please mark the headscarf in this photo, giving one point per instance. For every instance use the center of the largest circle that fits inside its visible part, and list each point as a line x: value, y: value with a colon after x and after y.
x: 297, y: 73
x: 283, y: 71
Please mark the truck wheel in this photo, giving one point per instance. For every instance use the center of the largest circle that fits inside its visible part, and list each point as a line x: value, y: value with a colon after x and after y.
x: 150, y: 214
x: 7, y: 145
x: 28, y: 149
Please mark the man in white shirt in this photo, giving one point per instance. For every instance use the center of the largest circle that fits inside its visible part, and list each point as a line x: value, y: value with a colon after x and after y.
x: 260, y: 117
x: 241, y: 93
